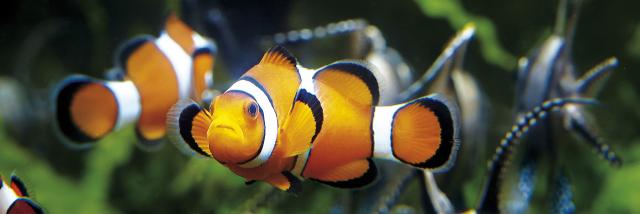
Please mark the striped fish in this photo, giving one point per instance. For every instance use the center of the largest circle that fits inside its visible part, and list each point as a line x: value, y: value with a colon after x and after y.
x: 281, y: 122
x: 154, y: 74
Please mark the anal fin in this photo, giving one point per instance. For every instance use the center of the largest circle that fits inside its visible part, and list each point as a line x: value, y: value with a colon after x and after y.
x: 285, y: 181
x: 351, y: 175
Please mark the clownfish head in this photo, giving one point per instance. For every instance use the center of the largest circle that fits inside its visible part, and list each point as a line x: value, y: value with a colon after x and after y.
x: 236, y: 131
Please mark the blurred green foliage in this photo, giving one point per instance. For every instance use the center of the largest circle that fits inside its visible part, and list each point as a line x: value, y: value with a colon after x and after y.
x: 457, y: 17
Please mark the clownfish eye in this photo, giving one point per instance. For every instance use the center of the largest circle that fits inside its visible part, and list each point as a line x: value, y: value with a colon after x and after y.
x: 252, y: 110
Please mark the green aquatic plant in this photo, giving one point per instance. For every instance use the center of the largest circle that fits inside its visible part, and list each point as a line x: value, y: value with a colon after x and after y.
x: 457, y: 16
x: 59, y: 194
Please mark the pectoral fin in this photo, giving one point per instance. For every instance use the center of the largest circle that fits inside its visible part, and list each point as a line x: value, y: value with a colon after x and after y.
x: 303, y: 125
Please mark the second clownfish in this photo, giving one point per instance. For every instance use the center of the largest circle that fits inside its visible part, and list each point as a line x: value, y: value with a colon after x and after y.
x: 154, y: 74
x: 281, y: 122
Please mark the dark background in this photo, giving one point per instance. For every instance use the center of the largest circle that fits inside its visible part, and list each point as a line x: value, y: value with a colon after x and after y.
x: 44, y: 41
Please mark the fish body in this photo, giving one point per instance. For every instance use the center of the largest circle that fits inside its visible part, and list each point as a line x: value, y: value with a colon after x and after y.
x: 282, y: 122
x: 152, y: 75
x: 14, y: 198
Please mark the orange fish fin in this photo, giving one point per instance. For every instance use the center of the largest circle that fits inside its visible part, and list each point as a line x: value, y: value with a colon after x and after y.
x: 424, y: 133
x: 277, y: 74
x: 280, y: 56
x: 24, y: 205
x: 180, y: 32
x: 187, y: 127
x: 303, y: 124
x: 351, y: 79
x: 285, y: 181
x: 203, y: 59
x: 351, y: 175
x: 18, y: 186
x: 85, y: 110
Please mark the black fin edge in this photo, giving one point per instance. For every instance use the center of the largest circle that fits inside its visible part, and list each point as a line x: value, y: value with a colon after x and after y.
x: 280, y: 50
x: 23, y: 189
x: 360, y: 69
x: 208, y: 49
x: 295, y: 185
x: 62, y: 98
x: 185, y: 122
x: 368, y: 177
x: 124, y: 52
x: 447, y: 134
x: 314, y: 104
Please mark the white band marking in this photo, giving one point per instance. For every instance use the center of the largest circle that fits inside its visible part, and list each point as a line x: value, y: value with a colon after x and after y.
x: 7, y: 197
x: 128, y: 100
x: 199, y: 41
x: 270, y: 121
x: 382, y: 124
x: 180, y: 61
x: 306, y: 79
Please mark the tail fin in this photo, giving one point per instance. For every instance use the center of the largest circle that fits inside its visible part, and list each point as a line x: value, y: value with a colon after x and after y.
x: 187, y: 125
x: 87, y: 109
x: 422, y: 132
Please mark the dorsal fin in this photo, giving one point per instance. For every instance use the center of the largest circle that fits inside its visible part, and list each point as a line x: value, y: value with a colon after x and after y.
x: 277, y: 74
x: 18, y: 186
x: 202, y: 78
x: 129, y: 47
x: 353, y: 79
x: 180, y: 32
x: 278, y: 55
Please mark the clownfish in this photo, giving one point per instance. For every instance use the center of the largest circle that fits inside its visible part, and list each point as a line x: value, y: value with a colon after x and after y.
x: 14, y: 198
x: 281, y: 122
x: 155, y: 74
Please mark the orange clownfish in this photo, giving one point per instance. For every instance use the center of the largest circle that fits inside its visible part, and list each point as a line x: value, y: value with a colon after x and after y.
x: 13, y: 198
x: 281, y: 122
x: 156, y: 73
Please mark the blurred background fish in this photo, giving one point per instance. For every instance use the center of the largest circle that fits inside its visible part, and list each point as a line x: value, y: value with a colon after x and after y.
x: 150, y: 75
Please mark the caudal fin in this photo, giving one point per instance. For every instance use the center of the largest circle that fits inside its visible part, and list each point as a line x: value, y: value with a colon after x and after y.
x: 87, y: 109
x: 422, y: 132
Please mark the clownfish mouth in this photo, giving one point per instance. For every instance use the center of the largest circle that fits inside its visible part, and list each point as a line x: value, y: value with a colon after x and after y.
x: 221, y: 126
x: 227, y: 131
